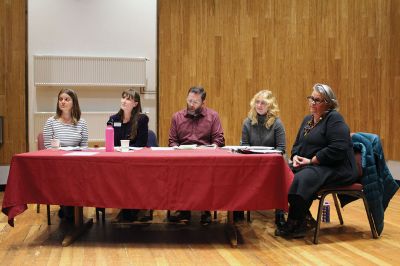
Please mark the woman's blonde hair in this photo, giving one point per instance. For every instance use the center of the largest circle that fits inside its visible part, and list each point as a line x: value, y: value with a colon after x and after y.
x: 272, y: 108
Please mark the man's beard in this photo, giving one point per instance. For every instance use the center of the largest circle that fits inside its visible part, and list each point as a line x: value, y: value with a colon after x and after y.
x: 194, y: 112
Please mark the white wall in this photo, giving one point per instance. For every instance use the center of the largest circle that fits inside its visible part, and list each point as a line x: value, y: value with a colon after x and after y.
x: 118, y: 28
x: 394, y: 168
x: 4, y: 174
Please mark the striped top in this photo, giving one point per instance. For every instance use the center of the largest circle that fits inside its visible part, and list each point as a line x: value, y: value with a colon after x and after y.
x: 69, y: 135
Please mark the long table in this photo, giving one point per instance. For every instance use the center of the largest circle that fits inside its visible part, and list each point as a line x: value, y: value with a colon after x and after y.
x: 148, y: 179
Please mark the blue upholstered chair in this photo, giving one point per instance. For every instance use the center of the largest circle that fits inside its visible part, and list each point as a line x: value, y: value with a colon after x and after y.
x: 152, y: 139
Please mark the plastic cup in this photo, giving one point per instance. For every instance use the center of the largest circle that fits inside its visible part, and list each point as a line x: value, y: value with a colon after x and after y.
x: 55, y: 143
x: 125, y: 145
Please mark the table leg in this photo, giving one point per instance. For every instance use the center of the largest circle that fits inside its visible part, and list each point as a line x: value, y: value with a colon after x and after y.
x: 80, y: 227
x: 231, y: 230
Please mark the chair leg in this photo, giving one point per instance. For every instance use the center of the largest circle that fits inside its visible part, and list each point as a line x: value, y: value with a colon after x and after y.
x: 370, y: 219
x: 339, y: 213
x: 37, y: 208
x: 320, y: 206
x: 48, y: 215
x: 103, y: 214
x: 215, y: 215
x: 168, y: 214
x: 248, y: 216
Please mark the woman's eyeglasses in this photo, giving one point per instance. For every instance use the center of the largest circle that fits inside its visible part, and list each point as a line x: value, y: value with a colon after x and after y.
x: 260, y: 102
x: 315, y: 101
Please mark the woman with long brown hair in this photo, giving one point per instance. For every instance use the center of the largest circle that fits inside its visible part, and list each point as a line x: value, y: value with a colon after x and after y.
x: 130, y: 124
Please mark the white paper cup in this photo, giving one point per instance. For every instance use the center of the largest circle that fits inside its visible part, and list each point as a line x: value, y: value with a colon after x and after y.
x: 125, y: 145
x: 55, y: 143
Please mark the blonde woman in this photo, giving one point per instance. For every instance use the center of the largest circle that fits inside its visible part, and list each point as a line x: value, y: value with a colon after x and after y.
x: 262, y: 127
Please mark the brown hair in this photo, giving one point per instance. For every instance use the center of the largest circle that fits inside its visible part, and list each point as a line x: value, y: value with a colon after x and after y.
x: 134, y: 95
x: 75, y: 111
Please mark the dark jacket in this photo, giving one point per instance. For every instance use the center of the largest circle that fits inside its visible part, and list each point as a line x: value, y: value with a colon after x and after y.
x: 123, y: 130
x: 259, y: 135
x: 330, y: 142
x: 379, y: 185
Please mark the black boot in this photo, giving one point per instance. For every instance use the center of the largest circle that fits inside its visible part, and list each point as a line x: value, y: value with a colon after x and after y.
x: 279, y: 218
x: 311, y: 223
x: 238, y: 216
x: 180, y: 216
x: 300, y: 230
x: 205, y: 218
x: 286, y: 229
x: 292, y: 229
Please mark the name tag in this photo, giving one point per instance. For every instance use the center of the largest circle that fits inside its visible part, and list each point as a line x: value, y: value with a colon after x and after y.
x: 117, y: 124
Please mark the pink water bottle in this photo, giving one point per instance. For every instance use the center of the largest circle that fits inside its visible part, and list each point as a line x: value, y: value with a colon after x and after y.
x: 109, y: 137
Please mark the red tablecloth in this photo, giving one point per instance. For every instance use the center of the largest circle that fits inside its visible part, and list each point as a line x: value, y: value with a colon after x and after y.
x: 147, y: 179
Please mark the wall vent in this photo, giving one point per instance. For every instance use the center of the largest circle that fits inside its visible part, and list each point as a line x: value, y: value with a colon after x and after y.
x: 51, y: 70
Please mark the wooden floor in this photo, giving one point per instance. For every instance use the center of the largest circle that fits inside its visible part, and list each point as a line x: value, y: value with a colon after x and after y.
x: 33, y: 242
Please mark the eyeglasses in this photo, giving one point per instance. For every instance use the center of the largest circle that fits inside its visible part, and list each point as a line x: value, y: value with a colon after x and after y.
x: 263, y: 103
x: 315, y: 101
x: 193, y: 102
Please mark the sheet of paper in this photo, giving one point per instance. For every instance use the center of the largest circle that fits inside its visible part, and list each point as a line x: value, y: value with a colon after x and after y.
x: 69, y: 148
x: 187, y: 147
x: 81, y: 153
x: 233, y: 147
x: 259, y: 148
x: 118, y: 149
x: 162, y: 148
x: 135, y: 148
x: 264, y: 151
x: 252, y: 148
x: 207, y: 147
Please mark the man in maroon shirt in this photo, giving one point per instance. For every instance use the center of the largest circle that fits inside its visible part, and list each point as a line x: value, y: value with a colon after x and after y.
x: 199, y: 125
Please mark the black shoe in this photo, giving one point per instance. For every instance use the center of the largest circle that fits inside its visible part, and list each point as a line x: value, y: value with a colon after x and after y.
x: 300, y: 231
x: 289, y: 229
x: 279, y: 218
x: 61, y: 213
x: 126, y: 216
x: 66, y: 213
x: 238, y: 216
x: 311, y: 223
x: 144, y: 216
x: 180, y: 216
x: 205, y: 218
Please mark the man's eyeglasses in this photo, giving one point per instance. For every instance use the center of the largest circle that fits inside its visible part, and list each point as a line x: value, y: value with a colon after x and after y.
x: 315, y: 101
x: 193, y: 102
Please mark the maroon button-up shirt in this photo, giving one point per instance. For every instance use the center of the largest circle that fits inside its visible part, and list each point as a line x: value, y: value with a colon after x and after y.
x: 204, y: 129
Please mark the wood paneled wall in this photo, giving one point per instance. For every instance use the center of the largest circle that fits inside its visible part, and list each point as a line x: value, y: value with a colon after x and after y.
x: 235, y: 48
x: 12, y: 78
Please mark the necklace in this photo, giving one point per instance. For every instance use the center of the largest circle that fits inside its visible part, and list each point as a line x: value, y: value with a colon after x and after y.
x: 311, y: 124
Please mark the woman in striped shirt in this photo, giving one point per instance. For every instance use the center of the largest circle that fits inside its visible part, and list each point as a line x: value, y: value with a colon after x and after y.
x: 69, y: 128
x: 67, y: 125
